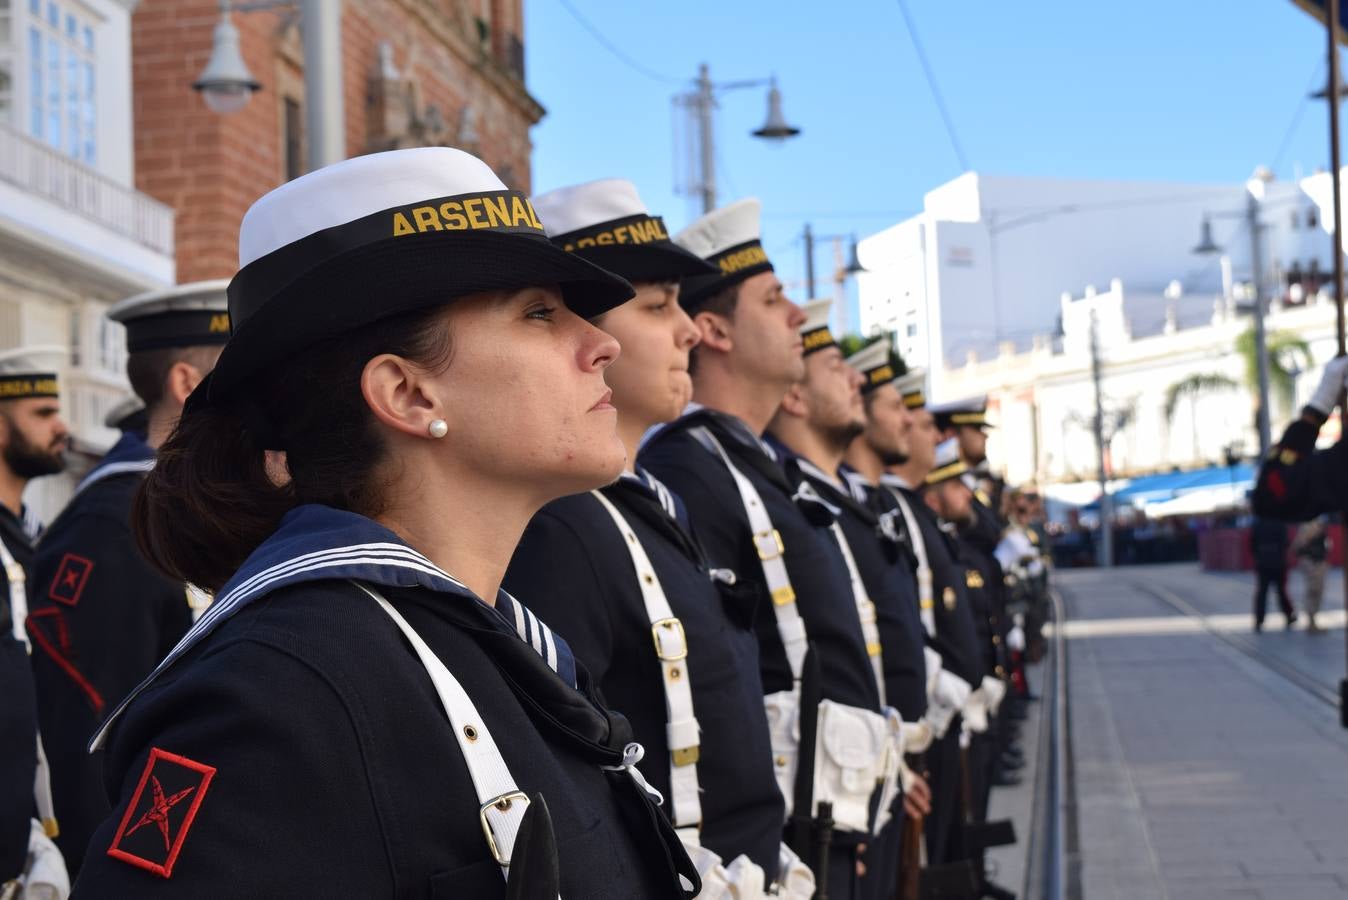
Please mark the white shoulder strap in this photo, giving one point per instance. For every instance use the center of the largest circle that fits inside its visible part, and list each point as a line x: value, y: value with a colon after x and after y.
x: 671, y: 648
x: 18, y: 594
x: 926, y: 599
x: 768, y: 542
x: 502, y: 803
x: 865, y: 612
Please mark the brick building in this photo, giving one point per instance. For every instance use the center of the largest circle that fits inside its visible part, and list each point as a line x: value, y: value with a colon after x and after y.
x: 415, y: 73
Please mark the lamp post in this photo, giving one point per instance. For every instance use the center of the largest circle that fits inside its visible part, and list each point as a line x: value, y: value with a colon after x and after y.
x: 700, y: 102
x: 226, y: 85
x: 840, y: 272
x: 1207, y: 247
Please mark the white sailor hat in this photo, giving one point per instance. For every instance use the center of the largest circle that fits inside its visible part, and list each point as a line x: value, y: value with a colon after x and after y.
x: 728, y: 238
x: 380, y: 235
x: 815, y: 333
x: 189, y: 315
x: 971, y: 411
x: 129, y: 415
x: 948, y: 463
x: 875, y: 363
x: 606, y: 223
x: 913, y: 386
x: 31, y: 372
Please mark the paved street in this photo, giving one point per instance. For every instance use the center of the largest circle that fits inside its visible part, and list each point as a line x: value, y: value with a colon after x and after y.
x: 1206, y: 760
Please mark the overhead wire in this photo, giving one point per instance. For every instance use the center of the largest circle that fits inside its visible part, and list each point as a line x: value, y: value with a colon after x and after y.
x: 931, y: 84
x: 614, y: 49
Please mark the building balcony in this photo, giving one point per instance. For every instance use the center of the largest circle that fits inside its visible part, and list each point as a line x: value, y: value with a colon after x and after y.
x: 71, y: 210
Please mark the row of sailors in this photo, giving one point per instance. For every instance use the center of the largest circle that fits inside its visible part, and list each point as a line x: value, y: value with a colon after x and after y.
x: 416, y: 448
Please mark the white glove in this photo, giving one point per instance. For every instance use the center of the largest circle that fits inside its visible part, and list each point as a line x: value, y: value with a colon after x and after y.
x: 995, y: 691
x: 1015, y: 639
x: 795, y: 881
x: 948, y: 695
x: 975, y: 711
x: 46, y: 878
x: 917, y: 737
x: 1326, y: 396
x: 741, y: 879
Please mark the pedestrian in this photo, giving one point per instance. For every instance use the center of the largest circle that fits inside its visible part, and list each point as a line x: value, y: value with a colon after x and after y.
x: 1296, y: 481
x: 362, y: 712
x: 1311, y: 546
x: 102, y: 617
x: 667, y: 637
x: 33, y: 440
x: 1268, y: 546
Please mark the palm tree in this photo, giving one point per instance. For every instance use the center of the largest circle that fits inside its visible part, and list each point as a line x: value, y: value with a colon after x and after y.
x: 1191, y: 388
x: 1288, y: 354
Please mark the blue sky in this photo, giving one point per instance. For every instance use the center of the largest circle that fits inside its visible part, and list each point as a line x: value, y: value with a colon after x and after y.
x: 1183, y: 90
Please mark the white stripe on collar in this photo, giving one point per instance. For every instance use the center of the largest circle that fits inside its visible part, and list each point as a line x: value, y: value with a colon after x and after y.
x: 820, y: 474
x: 118, y: 468
x: 891, y: 480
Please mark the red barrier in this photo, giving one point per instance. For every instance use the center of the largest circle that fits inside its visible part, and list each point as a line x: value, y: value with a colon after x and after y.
x: 1228, y: 549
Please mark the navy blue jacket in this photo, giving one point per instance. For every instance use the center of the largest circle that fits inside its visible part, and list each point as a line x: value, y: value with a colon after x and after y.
x: 295, y: 746
x: 956, y: 633
x: 18, y: 716
x: 573, y: 568
x: 813, y: 561
x: 101, y: 618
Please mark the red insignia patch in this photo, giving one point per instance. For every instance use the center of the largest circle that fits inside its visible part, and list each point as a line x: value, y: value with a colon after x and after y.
x: 71, y: 577
x: 1275, y: 485
x: 161, y: 812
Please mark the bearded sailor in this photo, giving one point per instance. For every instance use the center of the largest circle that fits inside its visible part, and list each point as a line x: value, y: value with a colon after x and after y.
x: 33, y: 440
x: 362, y: 711
x: 102, y: 617
x: 668, y: 639
x: 753, y: 520
x: 811, y: 431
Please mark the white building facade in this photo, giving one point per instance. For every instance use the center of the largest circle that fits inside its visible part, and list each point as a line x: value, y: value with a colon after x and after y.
x: 980, y: 265
x: 75, y: 235
x: 1043, y: 399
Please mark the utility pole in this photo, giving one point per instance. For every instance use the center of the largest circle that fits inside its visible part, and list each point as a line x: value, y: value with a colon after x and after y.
x: 321, y: 29
x: 1260, y: 336
x: 1106, y: 554
x: 1332, y: 21
x: 706, y: 102
x: 809, y: 262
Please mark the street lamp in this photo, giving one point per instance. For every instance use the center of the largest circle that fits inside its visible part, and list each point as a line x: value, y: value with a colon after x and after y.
x: 853, y: 266
x: 1207, y: 247
x: 226, y: 85
x: 700, y: 102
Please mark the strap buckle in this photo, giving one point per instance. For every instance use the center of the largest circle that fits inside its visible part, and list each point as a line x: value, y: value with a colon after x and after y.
x: 501, y: 804
x: 769, y: 544
x: 685, y: 756
x: 670, y: 629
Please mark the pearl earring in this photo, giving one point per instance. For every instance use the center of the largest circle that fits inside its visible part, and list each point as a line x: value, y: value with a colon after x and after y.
x: 438, y: 428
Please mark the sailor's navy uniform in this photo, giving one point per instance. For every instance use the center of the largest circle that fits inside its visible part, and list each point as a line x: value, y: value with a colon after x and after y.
x: 572, y: 567
x: 101, y: 619
x: 317, y: 757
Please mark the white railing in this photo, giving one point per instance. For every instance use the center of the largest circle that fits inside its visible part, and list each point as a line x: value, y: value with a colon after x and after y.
x: 37, y: 167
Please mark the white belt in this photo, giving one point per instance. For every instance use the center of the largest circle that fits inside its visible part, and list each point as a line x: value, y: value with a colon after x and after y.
x: 925, y: 596
x: 671, y: 648
x: 865, y: 612
x: 501, y: 803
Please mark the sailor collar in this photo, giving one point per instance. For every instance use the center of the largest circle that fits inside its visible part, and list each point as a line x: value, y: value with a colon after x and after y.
x: 319, y: 543
x: 129, y: 454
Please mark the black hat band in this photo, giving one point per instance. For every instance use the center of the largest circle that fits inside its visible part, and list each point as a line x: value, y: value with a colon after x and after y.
x: 21, y: 387
x: 499, y: 211
x: 181, y: 328
x: 817, y: 339
x: 877, y: 378
x: 737, y: 263
x: 632, y: 230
